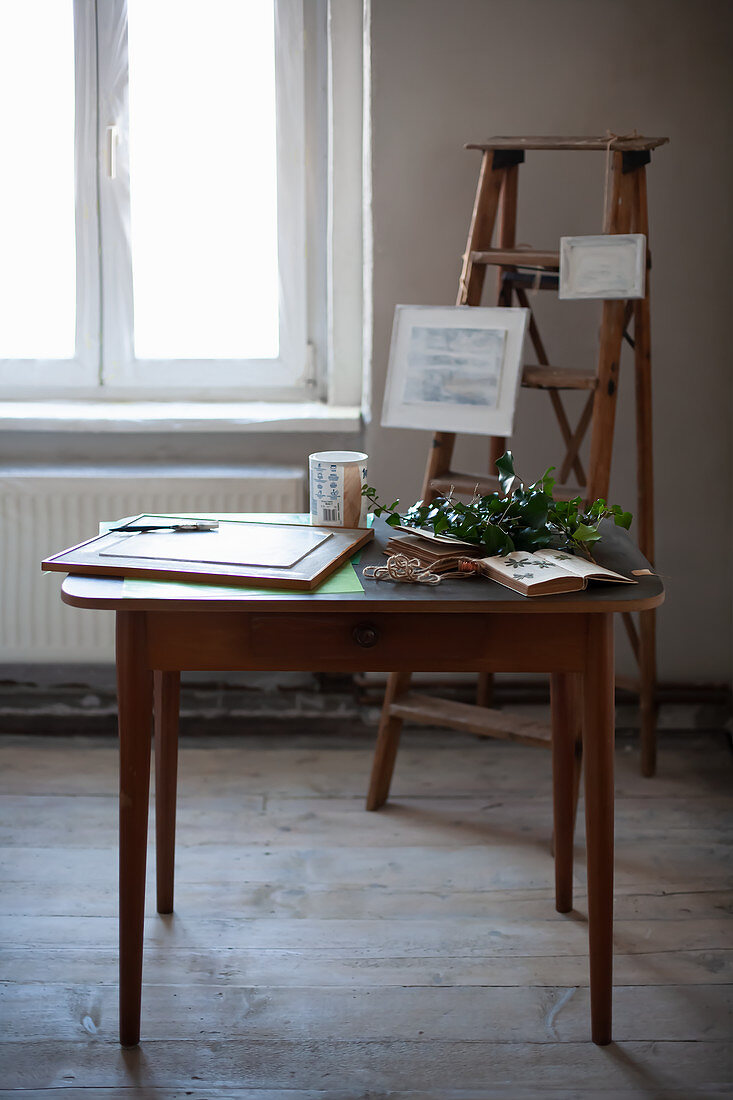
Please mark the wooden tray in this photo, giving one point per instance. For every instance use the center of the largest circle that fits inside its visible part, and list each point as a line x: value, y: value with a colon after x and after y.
x: 314, y: 563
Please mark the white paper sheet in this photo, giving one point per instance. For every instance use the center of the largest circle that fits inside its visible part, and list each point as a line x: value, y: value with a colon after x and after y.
x: 256, y: 544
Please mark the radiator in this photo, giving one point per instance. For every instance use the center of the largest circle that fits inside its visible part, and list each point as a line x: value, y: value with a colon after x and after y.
x: 43, y: 511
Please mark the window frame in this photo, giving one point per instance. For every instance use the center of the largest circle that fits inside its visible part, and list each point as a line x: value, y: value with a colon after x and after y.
x: 82, y: 371
x: 122, y: 373
x: 104, y: 367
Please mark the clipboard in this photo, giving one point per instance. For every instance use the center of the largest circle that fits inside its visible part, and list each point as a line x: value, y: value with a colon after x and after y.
x: 238, y: 553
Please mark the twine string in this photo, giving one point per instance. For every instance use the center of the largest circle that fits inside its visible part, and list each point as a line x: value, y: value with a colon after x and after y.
x: 407, y: 570
x: 401, y: 568
x: 610, y: 138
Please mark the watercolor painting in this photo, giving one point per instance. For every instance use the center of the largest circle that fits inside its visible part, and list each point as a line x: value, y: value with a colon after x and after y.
x: 460, y: 366
x: 455, y: 368
x: 610, y: 266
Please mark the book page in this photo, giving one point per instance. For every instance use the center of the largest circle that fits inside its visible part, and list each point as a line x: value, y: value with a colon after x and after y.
x: 572, y: 563
x: 430, y: 536
x: 527, y: 568
x: 255, y: 544
x: 432, y: 549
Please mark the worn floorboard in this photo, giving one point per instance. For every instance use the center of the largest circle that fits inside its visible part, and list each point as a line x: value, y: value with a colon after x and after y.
x: 319, y: 952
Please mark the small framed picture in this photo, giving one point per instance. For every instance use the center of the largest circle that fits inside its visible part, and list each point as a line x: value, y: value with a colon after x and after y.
x: 611, y: 266
x: 454, y: 368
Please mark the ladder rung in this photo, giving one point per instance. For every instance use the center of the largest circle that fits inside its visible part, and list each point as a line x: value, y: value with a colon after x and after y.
x: 465, y: 484
x: 517, y: 257
x: 558, y: 378
x: 471, y: 719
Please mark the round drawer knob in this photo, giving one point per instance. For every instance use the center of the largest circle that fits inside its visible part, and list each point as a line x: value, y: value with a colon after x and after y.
x: 365, y: 634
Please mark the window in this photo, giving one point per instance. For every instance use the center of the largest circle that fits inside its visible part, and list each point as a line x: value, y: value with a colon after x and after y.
x: 45, y: 319
x: 165, y: 230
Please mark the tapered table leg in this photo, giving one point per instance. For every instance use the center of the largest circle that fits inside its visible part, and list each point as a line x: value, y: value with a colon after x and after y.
x: 134, y: 700
x: 648, y: 678
x: 598, y: 742
x: 484, y: 689
x: 565, y: 700
x: 388, y: 740
x: 166, y: 691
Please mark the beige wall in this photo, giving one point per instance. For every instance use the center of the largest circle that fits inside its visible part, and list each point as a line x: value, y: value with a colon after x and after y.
x: 445, y: 72
x: 450, y: 71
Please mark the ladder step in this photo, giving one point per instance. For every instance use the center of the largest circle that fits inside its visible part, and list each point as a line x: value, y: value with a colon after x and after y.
x: 623, y: 144
x: 471, y: 719
x: 558, y: 378
x: 465, y: 484
x: 517, y: 257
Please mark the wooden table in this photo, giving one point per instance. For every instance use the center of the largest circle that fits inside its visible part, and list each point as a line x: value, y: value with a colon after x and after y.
x: 473, y: 625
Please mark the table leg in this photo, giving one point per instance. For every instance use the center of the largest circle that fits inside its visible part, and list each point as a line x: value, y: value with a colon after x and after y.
x: 388, y: 740
x: 166, y: 693
x: 484, y: 689
x: 134, y: 700
x: 565, y: 701
x: 598, y: 742
x: 648, y: 678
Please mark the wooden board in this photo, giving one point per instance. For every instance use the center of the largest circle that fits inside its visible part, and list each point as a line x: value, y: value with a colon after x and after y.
x: 304, y: 560
x: 483, y: 721
x: 558, y: 378
x: 522, y: 257
x: 635, y: 144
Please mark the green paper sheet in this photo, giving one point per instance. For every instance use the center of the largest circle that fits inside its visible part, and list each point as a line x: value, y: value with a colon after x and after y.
x: 342, y: 582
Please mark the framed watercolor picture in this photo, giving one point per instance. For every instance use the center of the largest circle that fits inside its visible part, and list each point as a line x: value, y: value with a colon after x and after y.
x: 611, y: 266
x: 454, y: 368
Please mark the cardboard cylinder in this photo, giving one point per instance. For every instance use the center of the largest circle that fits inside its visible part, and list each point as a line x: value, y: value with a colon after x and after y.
x: 336, y: 479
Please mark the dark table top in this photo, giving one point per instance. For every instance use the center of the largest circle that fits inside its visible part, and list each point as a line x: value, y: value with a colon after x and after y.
x: 616, y: 550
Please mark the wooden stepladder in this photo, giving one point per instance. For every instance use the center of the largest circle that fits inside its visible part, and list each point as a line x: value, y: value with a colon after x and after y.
x: 518, y: 271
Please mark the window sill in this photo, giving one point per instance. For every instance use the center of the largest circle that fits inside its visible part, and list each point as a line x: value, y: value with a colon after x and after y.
x: 152, y: 416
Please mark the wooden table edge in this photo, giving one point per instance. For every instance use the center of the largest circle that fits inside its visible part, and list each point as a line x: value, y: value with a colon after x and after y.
x: 294, y: 602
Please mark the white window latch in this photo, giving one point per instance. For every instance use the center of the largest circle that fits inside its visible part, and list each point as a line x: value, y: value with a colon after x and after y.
x: 112, y: 138
x: 311, y: 376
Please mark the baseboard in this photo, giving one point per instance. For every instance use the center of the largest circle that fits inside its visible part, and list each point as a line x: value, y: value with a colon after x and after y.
x: 75, y: 699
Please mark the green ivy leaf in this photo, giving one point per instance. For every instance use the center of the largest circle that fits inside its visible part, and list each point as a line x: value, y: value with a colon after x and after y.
x: 523, y: 518
x: 505, y: 466
x: 585, y: 533
x: 621, y: 518
x: 548, y: 482
x: 535, y: 510
x: 496, y: 541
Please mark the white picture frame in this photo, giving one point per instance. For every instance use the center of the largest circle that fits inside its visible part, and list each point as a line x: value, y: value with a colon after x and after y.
x: 611, y: 266
x: 455, y: 368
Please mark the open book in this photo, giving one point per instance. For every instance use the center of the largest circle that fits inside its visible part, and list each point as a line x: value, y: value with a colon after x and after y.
x: 540, y: 573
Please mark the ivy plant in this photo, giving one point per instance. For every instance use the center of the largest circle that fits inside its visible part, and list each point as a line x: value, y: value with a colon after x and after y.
x: 519, y: 517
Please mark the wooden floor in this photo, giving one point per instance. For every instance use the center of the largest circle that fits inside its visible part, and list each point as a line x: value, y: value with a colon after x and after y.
x: 318, y: 951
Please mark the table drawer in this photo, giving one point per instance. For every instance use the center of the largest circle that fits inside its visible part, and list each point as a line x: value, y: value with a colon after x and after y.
x: 377, y: 642
x: 346, y: 642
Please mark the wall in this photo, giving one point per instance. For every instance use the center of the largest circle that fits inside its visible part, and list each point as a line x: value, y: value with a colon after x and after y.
x: 445, y: 73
